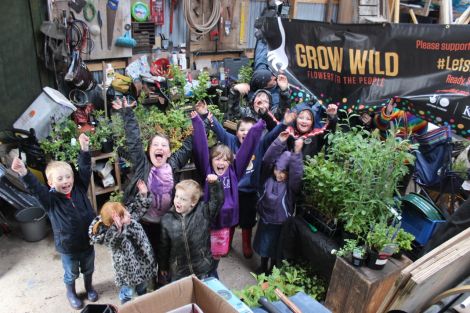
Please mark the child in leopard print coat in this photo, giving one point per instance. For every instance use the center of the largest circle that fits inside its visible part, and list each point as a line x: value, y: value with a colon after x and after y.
x: 118, y: 228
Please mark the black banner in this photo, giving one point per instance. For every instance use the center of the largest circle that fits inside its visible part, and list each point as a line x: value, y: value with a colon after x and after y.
x: 361, y: 66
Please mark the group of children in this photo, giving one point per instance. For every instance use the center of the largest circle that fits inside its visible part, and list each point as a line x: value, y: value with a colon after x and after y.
x: 163, y: 229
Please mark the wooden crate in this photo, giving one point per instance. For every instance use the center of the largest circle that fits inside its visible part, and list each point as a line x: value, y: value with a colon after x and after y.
x: 144, y: 34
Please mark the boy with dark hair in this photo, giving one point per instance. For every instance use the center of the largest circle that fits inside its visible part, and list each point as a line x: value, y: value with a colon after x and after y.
x: 70, y: 212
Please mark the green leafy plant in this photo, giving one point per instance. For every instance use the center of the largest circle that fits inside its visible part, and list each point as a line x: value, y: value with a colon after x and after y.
x: 351, y: 246
x: 200, y: 89
x: 62, y: 143
x: 358, y: 181
x: 289, y: 278
x: 174, y: 123
x: 103, y: 130
x: 404, y: 240
x: 245, y: 73
x: 117, y: 196
x: 176, y: 87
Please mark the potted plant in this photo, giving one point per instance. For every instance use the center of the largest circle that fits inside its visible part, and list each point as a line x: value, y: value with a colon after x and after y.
x: 101, y: 139
x: 403, y: 240
x: 176, y: 87
x: 61, y: 144
x: 380, y: 241
x: 351, y: 250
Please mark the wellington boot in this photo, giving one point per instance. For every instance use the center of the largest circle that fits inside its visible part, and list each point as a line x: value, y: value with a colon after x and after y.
x: 91, y: 293
x: 74, y: 301
x: 246, y: 243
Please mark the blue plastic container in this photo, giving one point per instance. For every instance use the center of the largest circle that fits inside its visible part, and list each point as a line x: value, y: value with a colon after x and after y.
x: 416, y: 223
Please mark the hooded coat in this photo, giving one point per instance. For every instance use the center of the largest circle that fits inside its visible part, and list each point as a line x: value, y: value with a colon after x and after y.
x: 276, y: 203
x: 314, y: 140
x: 131, y: 251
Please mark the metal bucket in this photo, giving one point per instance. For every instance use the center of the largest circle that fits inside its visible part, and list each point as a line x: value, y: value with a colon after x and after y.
x: 33, y: 223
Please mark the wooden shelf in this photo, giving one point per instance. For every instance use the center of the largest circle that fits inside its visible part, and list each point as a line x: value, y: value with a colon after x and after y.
x: 95, y: 189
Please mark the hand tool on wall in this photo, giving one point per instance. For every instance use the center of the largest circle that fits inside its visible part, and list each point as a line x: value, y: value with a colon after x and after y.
x: 126, y: 40
x: 100, y: 24
x: 111, y: 8
x: 77, y: 5
x: 172, y: 9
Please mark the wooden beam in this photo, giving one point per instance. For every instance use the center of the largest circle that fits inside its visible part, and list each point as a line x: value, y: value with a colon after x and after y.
x: 98, y: 66
x: 396, y: 13
x: 413, y: 16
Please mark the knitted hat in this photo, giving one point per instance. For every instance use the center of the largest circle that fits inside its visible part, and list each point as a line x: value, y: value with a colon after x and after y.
x: 260, y: 79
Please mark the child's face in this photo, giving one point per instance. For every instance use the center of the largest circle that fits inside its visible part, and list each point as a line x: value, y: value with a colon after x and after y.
x: 183, y: 202
x: 304, y: 122
x: 61, y: 180
x: 280, y: 175
x: 220, y: 164
x: 243, y: 131
x: 159, y: 151
x: 261, y: 102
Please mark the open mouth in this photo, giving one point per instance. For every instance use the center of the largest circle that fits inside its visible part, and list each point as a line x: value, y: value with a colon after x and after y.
x: 158, y: 156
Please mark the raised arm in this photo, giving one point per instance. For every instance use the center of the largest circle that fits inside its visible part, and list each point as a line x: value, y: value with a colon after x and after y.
x: 222, y: 135
x: 200, y: 146
x: 180, y: 157
x: 84, y: 161
x: 275, y: 149
x: 296, y: 167
x: 248, y: 147
x: 141, y: 203
x: 40, y: 191
x: 216, y: 196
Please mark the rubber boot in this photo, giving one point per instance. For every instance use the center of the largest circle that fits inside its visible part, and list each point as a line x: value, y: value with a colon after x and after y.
x: 91, y: 293
x: 232, y: 231
x: 74, y: 301
x: 263, y: 268
x: 246, y: 243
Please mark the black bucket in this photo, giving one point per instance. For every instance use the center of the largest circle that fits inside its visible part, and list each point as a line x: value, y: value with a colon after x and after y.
x: 33, y: 223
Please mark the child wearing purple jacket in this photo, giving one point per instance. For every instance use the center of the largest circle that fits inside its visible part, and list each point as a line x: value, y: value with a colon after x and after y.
x: 219, y: 162
x: 284, y: 170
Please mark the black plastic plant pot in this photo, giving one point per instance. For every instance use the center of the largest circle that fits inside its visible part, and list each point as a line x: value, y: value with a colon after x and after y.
x: 376, y: 261
x: 107, y: 146
x: 358, y: 258
x: 358, y: 262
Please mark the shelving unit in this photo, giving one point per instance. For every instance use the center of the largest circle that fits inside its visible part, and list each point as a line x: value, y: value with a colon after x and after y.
x: 95, y: 189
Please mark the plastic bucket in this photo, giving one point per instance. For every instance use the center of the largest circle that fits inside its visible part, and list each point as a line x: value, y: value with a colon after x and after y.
x: 33, y: 223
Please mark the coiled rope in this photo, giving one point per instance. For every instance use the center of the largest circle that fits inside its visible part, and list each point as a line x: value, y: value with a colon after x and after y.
x: 205, y: 27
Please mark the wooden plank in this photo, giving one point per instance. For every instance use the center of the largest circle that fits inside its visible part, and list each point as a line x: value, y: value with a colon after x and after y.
x: 346, y: 11
x: 369, y: 2
x: 368, y: 11
x: 97, y: 66
x: 361, y: 289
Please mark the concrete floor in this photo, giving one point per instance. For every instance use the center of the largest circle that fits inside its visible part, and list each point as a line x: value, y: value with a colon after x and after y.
x: 31, y: 274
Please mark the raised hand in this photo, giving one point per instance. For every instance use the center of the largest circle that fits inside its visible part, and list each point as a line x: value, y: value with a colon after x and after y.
x: 332, y: 110
x: 242, y: 88
x: 289, y: 117
x: 18, y: 167
x: 283, y: 136
x: 210, y: 116
x: 84, y: 141
x: 117, y: 220
x: 117, y: 104
x: 201, y: 107
x: 282, y: 82
x: 193, y: 114
x: 142, y: 187
x: 299, y: 143
x: 211, y: 178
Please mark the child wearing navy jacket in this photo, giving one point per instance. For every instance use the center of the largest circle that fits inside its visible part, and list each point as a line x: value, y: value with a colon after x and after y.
x: 70, y: 212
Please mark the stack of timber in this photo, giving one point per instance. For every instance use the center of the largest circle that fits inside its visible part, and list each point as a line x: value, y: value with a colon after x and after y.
x: 437, y: 271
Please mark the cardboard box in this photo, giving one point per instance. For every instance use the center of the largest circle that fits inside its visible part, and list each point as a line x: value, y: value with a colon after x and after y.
x: 188, y: 308
x: 184, y: 291
x: 217, y: 286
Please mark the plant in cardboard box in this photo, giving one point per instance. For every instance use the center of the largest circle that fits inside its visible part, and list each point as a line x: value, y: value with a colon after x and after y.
x: 61, y: 144
x: 289, y: 278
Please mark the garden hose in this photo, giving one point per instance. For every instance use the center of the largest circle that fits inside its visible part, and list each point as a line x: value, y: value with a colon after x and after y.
x: 86, y: 11
x: 205, y: 27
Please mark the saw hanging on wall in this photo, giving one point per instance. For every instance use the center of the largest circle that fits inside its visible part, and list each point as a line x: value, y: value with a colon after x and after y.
x: 111, y: 8
x: 157, y: 9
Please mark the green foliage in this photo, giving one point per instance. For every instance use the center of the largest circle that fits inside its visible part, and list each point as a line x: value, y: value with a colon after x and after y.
x: 290, y: 279
x: 200, y: 90
x: 62, y: 143
x: 350, y: 246
x: 173, y: 123
x: 245, y: 73
x: 117, y: 196
x: 103, y: 130
x: 176, y: 86
x: 404, y: 240
x: 359, y: 179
